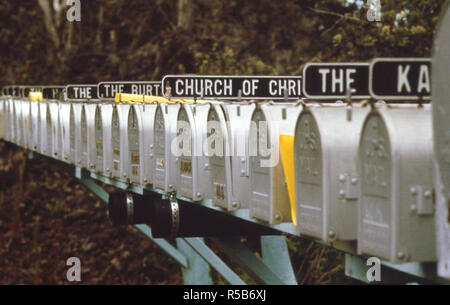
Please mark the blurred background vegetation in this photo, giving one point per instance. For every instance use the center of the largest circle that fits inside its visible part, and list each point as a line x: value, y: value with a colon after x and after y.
x: 46, y: 216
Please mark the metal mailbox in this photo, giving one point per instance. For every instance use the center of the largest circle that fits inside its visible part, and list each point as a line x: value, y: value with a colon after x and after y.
x: 396, y: 210
x: 5, y: 121
x: 269, y: 200
x: 45, y: 123
x: 441, y: 133
x: 75, y: 133
x: 326, y: 176
x: 2, y: 118
x: 25, y: 122
x: 147, y: 163
x: 65, y: 121
x: 35, y: 130
x: 119, y: 141
x: 140, y: 142
x: 103, y: 120
x: 192, y: 167
x: 89, y: 137
x: 135, y: 144
x: 227, y: 130
x: 17, y: 111
x: 164, y: 131
x: 442, y: 226
x: 55, y: 130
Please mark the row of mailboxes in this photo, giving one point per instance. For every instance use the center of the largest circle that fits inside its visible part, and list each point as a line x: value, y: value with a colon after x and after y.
x: 360, y: 174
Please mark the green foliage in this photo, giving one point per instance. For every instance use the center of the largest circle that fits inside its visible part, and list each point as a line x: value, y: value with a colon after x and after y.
x: 140, y: 39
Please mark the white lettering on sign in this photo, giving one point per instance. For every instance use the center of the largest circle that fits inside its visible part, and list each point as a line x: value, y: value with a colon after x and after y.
x: 111, y: 90
x: 249, y: 87
x: 280, y: 86
x: 145, y: 89
x: 424, y: 79
x: 82, y: 93
x: 201, y: 87
x: 403, y: 79
x: 324, y: 73
x: 338, y: 81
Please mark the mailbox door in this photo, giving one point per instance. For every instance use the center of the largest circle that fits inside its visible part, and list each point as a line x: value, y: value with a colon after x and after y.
x: 165, y: 176
x: 75, y: 133
x: 54, y: 112
x: 148, y: 118
x: 83, y: 138
x: 160, y: 149
x: 12, y: 121
x: 115, y: 143
x: 6, y: 119
x: 238, y: 119
x: 106, y: 115
x: 134, y: 144
x: 34, y: 126
x: 261, y: 187
x: 218, y: 144
x: 59, y: 134
x: 2, y: 118
x: 98, y: 140
x: 65, y: 120
x: 375, y: 228
x: 123, y: 110
x: 90, y: 130
x: 46, y: 123
x: 26, y: 123
x: 203, y: 176
x: 187, y: 167
x: 18, y: 132
x: 308, y: 176
x: 442, y: 227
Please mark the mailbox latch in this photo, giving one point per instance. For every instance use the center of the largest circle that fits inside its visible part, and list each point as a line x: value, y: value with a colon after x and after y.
x: 348, y: 186
x: 421, y: 200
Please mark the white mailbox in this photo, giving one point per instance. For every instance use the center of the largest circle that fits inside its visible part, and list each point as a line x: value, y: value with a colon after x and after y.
x: 17, y: 111
x: 164, y: 131
x: 35, y: 130
x: 10, y: 120
x: 148, y: 117
x: 55, y: 130
x: 269, y: 200
x: 227, y: 130
x: 103, y: 144
x: 75, y: 133
x: 2, y: 118
x: 396, y: 210
x: 326, y: 171
x: 119, y: 141
x: 441, y: 133
x: 88, y: 135
x: 64, y: 115
x: 25, y: 120
x: 192, y: 166
x: 5, y: 120
x: 45, y: 122
x: 135, y: 144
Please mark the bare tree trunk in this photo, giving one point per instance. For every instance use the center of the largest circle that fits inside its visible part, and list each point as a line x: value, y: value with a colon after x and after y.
x: 49, y: 22
x: 185, y: 14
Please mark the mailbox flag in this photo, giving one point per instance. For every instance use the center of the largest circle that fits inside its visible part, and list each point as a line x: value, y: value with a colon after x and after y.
x: 287, y: 159
x: 36, y: 96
